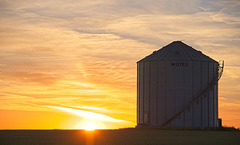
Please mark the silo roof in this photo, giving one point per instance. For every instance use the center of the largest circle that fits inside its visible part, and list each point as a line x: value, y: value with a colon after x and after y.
x: 177, y: 51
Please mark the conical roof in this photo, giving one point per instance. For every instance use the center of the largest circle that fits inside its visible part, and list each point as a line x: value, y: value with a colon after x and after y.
x: 177, y: 51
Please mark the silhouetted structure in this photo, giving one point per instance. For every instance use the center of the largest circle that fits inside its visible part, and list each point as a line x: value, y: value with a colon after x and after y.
x: 177, y: 86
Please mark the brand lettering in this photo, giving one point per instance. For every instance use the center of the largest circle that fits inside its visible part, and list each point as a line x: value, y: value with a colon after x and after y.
x: 179, y: 64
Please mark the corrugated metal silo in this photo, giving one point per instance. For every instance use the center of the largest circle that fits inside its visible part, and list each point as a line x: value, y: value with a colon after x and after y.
x: 177, y: 86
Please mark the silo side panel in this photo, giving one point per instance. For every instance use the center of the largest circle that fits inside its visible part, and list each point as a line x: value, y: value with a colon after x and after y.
x: 197, y: 91
x: 215, y: 98
x: 204, y: 103
x: 217, y: 125
x: 180, y: 94
x: 146, y: 93
x: 188, y: 94
x: 141, y: 91
x: 153, y: 93
x: 210, y: 98
x: 171, y: 87
x: 215, y: 117
x: 162, y: 73
x: 138, y: 95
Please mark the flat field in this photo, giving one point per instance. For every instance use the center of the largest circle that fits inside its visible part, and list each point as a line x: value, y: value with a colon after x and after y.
x: 119, y: 137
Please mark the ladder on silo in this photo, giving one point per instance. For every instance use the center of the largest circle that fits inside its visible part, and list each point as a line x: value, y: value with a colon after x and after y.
x: 210, y: 86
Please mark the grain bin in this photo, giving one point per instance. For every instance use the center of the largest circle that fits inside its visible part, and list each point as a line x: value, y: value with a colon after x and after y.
x: 177, y: 86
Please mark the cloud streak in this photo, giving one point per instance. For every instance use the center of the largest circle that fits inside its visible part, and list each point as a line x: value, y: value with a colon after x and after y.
x: 89, y: 115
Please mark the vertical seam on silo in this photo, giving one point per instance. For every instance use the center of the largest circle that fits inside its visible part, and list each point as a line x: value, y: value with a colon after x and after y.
x: 217, y: 102
x: 184, y: 96
x: 174, y: 99
x: 165, y: 89
x: 143, y: 116
x: 192, y: 92
x: 213, y: 93
x: 216, y: 112
x: 149, y: 92
x: 140, y: 90
x: 207, y: 97
x: 137, y: 94
x: 201, y: 105
x: 157, y: 98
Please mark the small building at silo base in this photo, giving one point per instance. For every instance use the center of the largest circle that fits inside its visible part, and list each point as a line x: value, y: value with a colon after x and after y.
x: 177, y: 87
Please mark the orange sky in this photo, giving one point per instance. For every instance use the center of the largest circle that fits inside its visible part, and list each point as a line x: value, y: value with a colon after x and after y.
x: 65, y: 64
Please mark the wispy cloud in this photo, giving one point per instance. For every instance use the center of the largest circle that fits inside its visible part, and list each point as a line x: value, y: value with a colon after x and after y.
x: 88, y: 115
x: 90, y: 108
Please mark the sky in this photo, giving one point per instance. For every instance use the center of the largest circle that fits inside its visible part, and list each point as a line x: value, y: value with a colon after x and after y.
x: 67, y: 63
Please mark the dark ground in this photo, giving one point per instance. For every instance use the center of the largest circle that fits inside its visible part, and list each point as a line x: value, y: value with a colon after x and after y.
x: 119, y: 137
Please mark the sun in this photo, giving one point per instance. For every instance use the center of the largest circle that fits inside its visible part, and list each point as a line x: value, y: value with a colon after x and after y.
x: 89, y: 127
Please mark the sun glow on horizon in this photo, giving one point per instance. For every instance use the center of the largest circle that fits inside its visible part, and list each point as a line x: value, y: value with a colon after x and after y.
x: 89, y: 120
x: 89, y: 127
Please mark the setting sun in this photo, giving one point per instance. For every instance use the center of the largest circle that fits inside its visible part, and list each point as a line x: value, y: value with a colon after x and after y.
x: 89, y: 127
